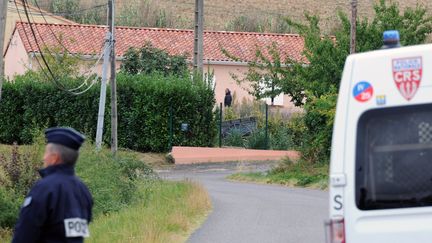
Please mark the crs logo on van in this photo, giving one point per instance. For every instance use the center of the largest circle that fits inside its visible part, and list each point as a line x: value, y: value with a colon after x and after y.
x: 407, y: 74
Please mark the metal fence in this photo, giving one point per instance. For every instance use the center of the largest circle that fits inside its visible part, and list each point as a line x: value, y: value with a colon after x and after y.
x: 244, y: 126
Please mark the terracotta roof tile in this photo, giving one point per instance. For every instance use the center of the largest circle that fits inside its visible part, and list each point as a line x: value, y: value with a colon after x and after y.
x: 88, y: 40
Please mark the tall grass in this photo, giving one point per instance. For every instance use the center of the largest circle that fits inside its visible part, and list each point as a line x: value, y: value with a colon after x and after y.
x: 298, y: 174
x: 113, y: 181
x: 163, y: 212
x: 171, y: 211
x: 131, y: 204
x: 253, y: 22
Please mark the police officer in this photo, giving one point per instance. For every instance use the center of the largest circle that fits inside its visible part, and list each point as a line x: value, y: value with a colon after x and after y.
x: 59, y: 206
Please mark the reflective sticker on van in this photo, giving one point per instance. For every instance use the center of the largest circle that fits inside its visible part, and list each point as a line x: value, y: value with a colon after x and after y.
x: 381, y: 100
x: 407, y: 74
x: 363, y: 91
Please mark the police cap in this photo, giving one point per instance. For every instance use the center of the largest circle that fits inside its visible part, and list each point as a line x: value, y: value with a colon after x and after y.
x: 65, y: 136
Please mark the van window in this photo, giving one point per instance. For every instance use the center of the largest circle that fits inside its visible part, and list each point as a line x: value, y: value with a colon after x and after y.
x: 394, y: 158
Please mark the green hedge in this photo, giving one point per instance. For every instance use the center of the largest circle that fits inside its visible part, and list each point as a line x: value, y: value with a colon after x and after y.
x: 144, y: 102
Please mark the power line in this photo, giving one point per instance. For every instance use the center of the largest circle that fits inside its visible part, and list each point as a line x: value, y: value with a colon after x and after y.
x: 25, y: 5
x: 28, y: 40
x: 94, y: 79
x: 41, y: 13
x: 52, y: 78
x: 67, y: 51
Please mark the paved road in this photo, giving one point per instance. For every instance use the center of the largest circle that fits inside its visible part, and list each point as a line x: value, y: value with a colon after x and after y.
x: 250, y: 213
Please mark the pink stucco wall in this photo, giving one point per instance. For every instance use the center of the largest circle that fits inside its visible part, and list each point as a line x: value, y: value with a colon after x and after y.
x: 16, y: 59
x: 96, y: 68
x: 239, y: 91
x: 222, y: 74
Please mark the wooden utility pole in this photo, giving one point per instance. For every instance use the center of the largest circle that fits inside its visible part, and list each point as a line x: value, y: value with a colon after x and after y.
x: 199, y: 36
x: 353, y: 26
x: 3, y: 14
x: 113, y: 83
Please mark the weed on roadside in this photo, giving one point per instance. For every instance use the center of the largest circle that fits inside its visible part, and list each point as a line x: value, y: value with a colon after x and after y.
x: 300, y: 174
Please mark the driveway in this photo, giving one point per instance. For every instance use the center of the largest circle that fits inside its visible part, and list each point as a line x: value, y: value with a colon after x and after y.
x: 245, y: 212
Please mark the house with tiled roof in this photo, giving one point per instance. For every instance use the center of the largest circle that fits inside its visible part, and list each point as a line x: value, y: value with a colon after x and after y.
x: 15, y: 12
x: 87, y: 41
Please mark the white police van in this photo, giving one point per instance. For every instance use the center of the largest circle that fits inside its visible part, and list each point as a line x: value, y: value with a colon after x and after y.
x: 381, y: 158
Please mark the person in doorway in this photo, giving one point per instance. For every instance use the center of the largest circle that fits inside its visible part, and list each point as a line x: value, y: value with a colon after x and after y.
x: 58, y: 207
x: 228, y: 98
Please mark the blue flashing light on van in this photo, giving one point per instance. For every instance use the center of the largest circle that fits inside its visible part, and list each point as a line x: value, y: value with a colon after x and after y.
x: 391, y: 39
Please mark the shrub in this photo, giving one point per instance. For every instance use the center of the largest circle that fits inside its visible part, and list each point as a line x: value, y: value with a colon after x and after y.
x: 284, y: 129
x: 111, y: 180
x: 255, y: 23
x: 149, y: 13
x: 319, y: 126
x: 281, y: 139
x: 257, y: 140
x: 18, y: 172
x: 149, y: 59
x: 9, y: 207
x: 303, y: 172
x: 229, y: 114
x: 297, y: 129
x: 234, y: 139
x: 144, y: 103
x: 113, y: 192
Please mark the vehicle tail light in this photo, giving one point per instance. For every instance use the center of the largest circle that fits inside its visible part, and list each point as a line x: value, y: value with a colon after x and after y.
x: 335, y: 231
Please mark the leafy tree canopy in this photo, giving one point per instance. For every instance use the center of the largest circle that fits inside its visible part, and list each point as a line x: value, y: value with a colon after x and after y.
x: 271, y: 74
x: 315, y: 84
x: 149, y: 59
x: 327, y: 54
x: 320, y: 79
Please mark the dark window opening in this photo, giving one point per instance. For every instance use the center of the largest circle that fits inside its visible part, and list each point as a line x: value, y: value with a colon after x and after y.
x: 394, y: 158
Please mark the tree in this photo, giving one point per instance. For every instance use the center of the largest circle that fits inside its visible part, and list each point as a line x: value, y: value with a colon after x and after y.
x: 326, y: 55
x: 317, y: 81
x: 149, y: 59
x: 266, y: 75
x: 67, y: 7
x: 61, y: 64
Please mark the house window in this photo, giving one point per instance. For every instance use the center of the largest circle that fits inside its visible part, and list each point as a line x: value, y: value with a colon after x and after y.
x: 278, y: 100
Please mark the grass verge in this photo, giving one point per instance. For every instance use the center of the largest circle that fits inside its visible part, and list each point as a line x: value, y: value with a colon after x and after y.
x: 171, y: 210
x: 299, y: 174
x: 131, y: 203
x: 163, y: 212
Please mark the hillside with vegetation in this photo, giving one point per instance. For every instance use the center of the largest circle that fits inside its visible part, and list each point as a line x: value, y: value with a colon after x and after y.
x: 241, y: 15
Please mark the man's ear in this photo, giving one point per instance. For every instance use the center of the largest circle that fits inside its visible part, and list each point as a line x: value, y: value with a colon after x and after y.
x: 57, y: 157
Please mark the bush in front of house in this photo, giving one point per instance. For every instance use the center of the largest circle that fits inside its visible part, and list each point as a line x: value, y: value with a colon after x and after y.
x: 257, y: 140
x: 144, y: 103
x: 234, y: 139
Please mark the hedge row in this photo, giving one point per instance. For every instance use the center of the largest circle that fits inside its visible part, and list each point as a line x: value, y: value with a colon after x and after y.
x: 144, y: 102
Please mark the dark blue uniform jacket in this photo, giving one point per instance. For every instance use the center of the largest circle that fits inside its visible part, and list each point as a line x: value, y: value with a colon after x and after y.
x: 59, y: 195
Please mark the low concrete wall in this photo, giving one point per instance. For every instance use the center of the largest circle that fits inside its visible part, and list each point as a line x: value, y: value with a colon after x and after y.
x: 191, y: 155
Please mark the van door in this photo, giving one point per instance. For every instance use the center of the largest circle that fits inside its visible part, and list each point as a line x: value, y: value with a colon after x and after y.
x: 393, y: 175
